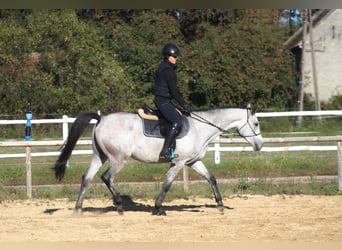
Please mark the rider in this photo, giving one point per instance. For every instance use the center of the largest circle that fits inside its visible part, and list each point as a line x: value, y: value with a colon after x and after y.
x: 165, y: 90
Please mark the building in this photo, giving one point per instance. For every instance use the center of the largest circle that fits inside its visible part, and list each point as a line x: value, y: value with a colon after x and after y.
x: 327, y: 44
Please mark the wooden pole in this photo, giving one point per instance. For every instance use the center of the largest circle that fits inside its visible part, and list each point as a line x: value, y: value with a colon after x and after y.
x: 28, y: 150
x: 28, y: 172
x: 339, y: 164
x: 186, y: 178
x: 314, y: 71
x: 302, y: 71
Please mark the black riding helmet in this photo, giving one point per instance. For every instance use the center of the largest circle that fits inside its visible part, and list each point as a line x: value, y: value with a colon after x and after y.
x: 170, y: 49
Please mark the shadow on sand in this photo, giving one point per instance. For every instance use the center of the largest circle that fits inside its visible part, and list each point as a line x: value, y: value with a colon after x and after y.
x: 131, y: 206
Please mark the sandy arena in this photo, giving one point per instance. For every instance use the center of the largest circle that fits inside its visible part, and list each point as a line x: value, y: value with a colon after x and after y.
x: 305, y: 219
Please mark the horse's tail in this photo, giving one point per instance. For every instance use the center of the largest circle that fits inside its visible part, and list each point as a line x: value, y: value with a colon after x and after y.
x: 76, y: 130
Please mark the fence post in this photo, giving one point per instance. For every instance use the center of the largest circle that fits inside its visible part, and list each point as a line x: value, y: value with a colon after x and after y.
x: 217, y: 153
x: 186, y: 178
x: 65, y: 130
x: 28, y: 150
x: 339, y: 164
x: 28, y: 172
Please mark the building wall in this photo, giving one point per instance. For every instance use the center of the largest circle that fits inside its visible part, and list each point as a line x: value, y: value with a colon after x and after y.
x: 328, y: 54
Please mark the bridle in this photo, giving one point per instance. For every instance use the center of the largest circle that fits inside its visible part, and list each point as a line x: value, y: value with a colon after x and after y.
x: 203, y: 120
x: 250, y: 126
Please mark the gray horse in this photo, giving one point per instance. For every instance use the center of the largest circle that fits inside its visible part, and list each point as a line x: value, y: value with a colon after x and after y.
x: 119, y: 136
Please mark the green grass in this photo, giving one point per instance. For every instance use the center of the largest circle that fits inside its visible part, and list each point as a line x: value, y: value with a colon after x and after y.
x: 234, y: 165
x: 271, y: 126
x: 203, y: 190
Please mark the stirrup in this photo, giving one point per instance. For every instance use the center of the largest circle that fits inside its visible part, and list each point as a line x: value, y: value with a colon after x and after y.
x: 168, y: 157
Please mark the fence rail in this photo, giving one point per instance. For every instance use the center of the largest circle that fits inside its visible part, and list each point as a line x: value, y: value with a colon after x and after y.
x: 217, y: 145
x: 217, y: 149
x: 65, y: 120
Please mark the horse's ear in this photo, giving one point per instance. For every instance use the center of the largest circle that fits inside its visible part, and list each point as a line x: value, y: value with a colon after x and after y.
x: 249, y: 107
x: 256, y: 108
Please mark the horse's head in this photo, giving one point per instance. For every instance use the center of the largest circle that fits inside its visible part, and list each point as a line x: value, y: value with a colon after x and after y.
x: 250, y: 129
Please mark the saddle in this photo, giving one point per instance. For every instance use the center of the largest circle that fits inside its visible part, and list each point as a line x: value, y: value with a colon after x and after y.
x: 155, y: 125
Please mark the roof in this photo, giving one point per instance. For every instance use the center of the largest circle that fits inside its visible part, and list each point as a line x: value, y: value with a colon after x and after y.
x: 297, y: 36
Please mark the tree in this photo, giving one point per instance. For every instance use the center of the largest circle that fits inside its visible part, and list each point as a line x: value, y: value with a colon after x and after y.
x: 239, y: 64
x: 15, y: 53
x: 73, y: 73
x: 74, y: 61
x: 137, y: 46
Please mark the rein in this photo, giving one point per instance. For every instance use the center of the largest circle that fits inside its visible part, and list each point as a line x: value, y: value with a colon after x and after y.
x: 201, y: 119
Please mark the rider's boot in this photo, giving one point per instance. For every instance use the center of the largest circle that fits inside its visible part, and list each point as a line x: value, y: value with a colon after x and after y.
x: 167, y: 152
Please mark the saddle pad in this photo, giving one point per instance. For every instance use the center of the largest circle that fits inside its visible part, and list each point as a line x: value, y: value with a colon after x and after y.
x: 158, y: 128
x: 143, y: 115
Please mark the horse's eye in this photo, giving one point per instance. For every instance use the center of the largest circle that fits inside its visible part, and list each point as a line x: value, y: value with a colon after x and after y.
x: 256, y: 124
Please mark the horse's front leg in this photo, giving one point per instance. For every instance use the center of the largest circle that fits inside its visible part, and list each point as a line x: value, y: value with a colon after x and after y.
x: 202, y: 170
x: 170, y: 176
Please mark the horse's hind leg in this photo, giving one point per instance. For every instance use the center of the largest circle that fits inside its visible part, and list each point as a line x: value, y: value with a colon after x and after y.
x: 108, y: 179
x: 202, y: 170
x: 94, y: 167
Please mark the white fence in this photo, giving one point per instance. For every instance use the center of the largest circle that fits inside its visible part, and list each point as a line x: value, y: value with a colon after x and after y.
x: 66, y: 120
x: 216, y: 148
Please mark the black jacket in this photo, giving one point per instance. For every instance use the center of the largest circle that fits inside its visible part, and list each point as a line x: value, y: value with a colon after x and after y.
x: 165, y: 83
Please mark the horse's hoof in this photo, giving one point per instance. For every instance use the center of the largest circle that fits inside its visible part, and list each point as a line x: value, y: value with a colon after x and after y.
x: 120, y: 210
x: 221, y: 209
x: 78, y: 210
x: 158, y: 212
x: 164, y: 160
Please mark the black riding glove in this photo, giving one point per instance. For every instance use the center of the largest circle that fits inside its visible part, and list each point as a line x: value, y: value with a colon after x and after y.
x: 187, y: 108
